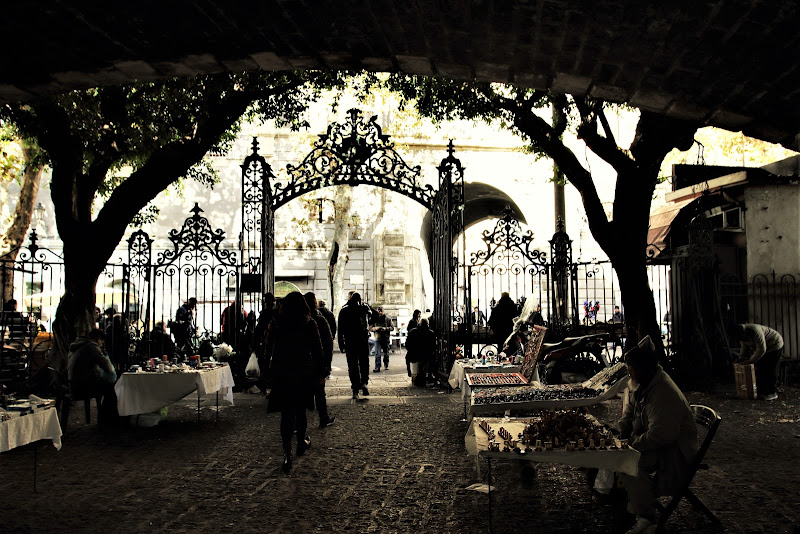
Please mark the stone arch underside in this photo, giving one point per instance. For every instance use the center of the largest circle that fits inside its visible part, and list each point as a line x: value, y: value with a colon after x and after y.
x: 718, y: 63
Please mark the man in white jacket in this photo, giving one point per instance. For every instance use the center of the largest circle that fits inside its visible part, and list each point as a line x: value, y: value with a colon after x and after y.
x: 659, y: 424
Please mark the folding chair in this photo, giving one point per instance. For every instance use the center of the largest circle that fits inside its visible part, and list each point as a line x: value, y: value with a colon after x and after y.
x: 707, y: 418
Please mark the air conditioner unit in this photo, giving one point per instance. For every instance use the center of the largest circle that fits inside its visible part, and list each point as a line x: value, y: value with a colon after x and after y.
x: 732, y: 218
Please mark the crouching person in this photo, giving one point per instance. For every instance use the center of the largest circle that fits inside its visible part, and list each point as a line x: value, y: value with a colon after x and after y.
x: 91, y: 375
x: 659, y: 423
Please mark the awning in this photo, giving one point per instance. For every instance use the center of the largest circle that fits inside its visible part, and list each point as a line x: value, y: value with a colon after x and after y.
x: 661, y: 221
x: 294, y: 273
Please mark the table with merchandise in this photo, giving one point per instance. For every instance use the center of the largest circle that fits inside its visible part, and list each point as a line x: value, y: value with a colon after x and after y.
x: 534, y: 396
x: 144, y: 392
x: 27, y: 421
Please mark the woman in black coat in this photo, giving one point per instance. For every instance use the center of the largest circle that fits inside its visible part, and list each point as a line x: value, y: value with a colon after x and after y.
x: 294, y: 350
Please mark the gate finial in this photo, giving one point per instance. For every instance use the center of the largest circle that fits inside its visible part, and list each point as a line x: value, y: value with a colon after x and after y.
x: 196, y: 210
x: 255, y: 145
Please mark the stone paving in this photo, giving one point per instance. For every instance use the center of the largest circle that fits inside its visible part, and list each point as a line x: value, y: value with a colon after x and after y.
x: 393, y: 463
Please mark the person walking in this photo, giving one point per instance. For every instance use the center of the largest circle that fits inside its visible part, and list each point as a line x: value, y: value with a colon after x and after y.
x: 420, y: 348
x: 268, y: 313
x: 762, y: 346
x: 327, y: 357
x: 382, y: 326
x: 294, y: 350
x: 354, y: 342
x: 328, y: 315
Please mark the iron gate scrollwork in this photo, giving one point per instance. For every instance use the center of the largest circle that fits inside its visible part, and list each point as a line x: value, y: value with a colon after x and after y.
x: 351, y: 153
x: 197, y: 265
x: 508, y: 263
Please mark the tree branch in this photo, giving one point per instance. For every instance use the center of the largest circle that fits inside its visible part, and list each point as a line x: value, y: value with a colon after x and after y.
x: 543, y: 135
x: 602, y: 146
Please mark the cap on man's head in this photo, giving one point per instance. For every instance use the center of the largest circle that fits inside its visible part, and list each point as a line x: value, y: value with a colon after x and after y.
x: 643, y: 355
x: 355, y: 297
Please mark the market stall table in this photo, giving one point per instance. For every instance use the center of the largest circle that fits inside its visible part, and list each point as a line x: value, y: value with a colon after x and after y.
x: 619, y: 458
x: 28, y: 422
x: 145, y: 392
x: 535, y: 397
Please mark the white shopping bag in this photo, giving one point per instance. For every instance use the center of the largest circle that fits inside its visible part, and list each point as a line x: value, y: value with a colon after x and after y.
x: 414, y: 368
x: 252, y: 369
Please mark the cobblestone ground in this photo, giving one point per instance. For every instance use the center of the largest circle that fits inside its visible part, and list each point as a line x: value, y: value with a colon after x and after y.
x: 389, y: 464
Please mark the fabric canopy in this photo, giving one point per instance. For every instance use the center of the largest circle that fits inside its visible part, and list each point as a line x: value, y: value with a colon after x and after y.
x: 661, y: 221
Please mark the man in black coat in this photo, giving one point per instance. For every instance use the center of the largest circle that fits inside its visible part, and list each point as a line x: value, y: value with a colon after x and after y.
x: 501, y: 321
x: 354, y: 342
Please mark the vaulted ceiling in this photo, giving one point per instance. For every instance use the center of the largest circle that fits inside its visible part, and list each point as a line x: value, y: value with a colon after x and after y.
x: 727, y: 63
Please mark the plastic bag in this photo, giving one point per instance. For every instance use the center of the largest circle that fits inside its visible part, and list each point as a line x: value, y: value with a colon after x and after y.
x: 252, y: 366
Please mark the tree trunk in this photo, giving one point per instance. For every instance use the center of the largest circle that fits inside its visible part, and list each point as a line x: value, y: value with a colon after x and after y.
x: 637, y: 299
x: 337, y: 259
x: 21, y: 220
x: 75, y: 313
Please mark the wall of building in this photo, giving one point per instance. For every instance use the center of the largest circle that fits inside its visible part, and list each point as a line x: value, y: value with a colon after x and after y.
x: 772, y: 222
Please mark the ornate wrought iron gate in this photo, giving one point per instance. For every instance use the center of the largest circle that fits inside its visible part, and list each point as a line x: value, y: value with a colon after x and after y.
x: 351, y: 153
x: 196, y: 266
x: 509, y: 263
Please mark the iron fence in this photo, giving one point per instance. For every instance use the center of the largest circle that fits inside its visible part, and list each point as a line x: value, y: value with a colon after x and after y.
x: 772, y: 300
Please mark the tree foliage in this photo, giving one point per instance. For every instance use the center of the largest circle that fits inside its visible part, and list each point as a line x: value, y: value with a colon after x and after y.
x: 541, y: 118
x: 120, y: 146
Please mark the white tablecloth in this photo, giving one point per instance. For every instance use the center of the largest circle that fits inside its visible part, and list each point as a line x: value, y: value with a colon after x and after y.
x: 619, y: 460
x: 554, y: 404
x: 144, y: 392
x: 23, y: 429
x: 461, y: 367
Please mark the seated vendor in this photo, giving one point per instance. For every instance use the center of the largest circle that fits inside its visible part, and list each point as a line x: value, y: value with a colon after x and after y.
x: 91, y: 374
x: 659, y: 423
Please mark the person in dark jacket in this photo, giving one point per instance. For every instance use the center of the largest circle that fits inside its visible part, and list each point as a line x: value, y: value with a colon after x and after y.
x: 160, y: 343
x: 327, y: 358
x: 294, y: 351
x: 416, y: 317
x: 268, y: 313
x: 233, y: 324
x: 501, y: 321
x: 117, y: 341
x: 420, y: 347
x: 328, y: 315
x: 383, y: 327
x: 183, y: 327
x: 91, y: 374
x: 354, y: 342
